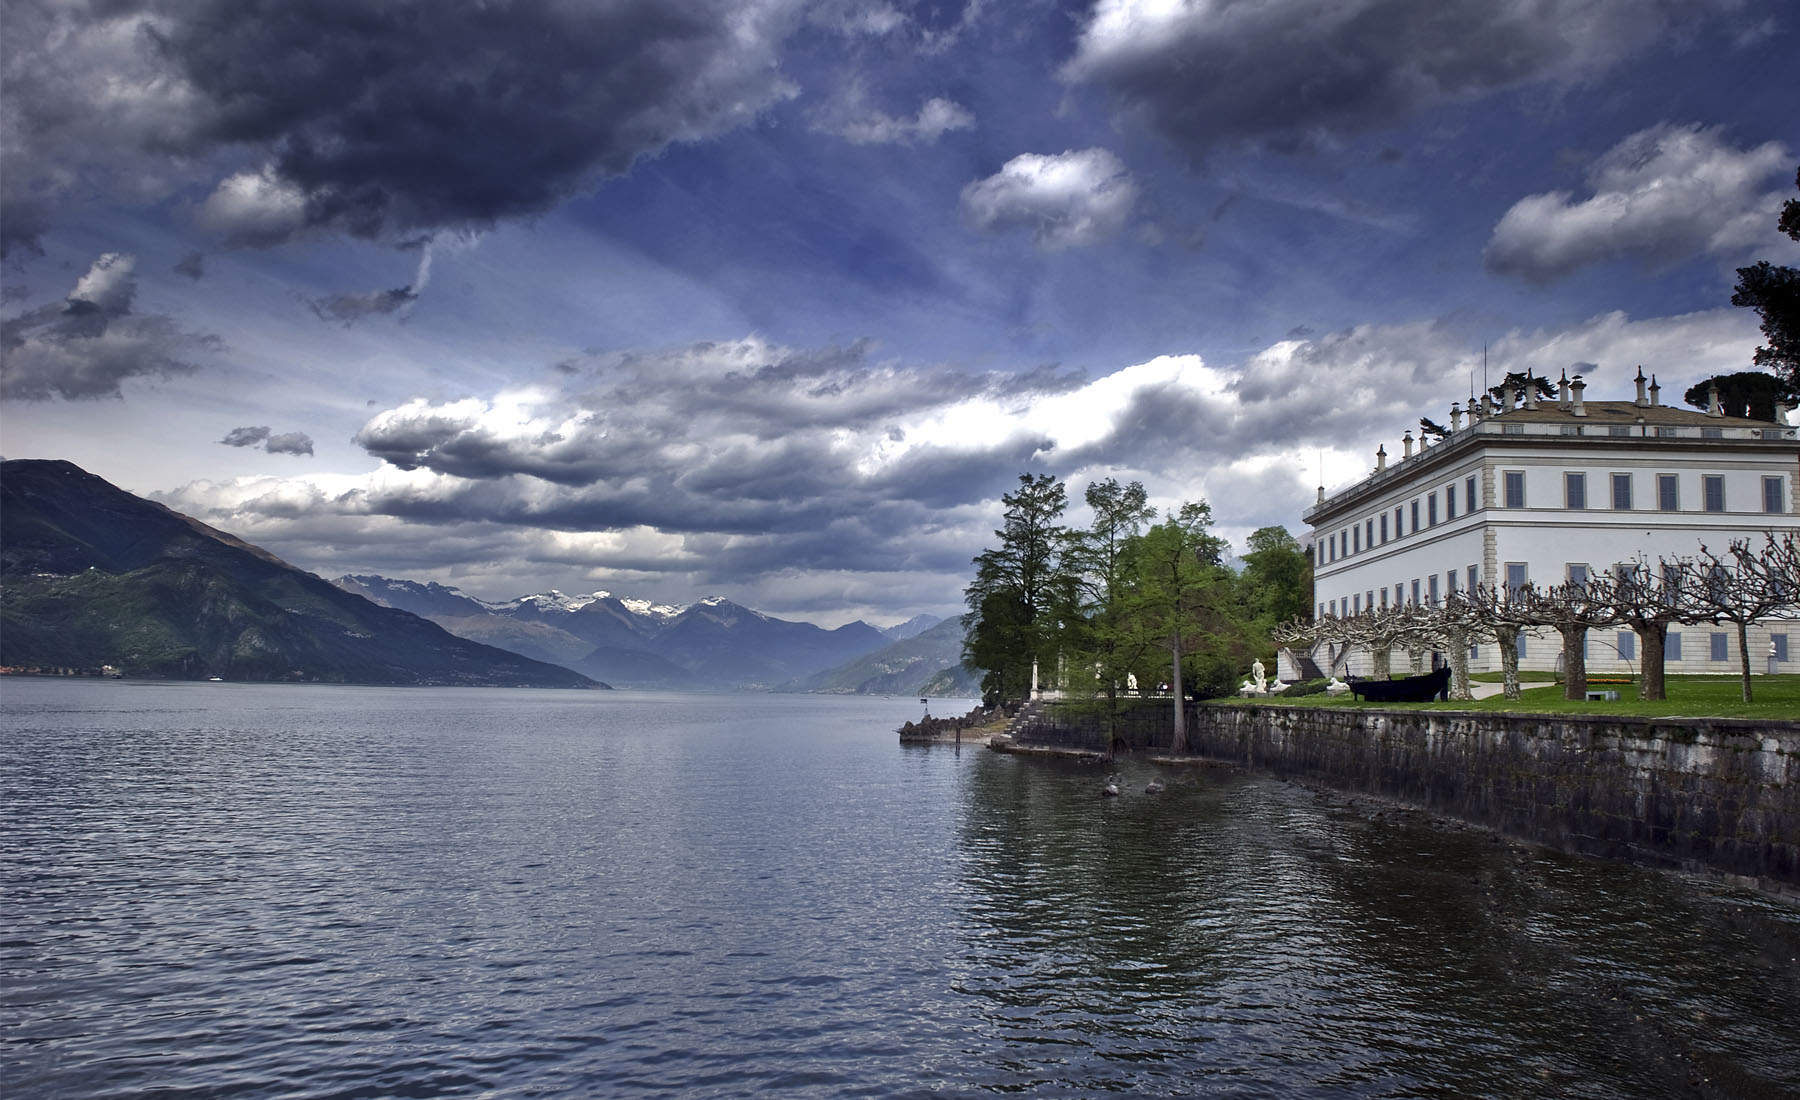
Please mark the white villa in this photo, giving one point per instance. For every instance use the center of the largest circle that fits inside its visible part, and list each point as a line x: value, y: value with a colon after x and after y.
x: 1547, y: 491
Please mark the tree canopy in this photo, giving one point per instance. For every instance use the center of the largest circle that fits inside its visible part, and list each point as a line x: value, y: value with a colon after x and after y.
x: 1773, y: 292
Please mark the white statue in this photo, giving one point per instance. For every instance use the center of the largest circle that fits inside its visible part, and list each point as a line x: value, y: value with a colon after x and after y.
x: 1131, y: 682
x: 1336, y: 686
x: 1256, y: 673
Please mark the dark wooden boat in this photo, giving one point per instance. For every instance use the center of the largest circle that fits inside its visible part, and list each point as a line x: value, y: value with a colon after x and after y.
x: 1407, y: 689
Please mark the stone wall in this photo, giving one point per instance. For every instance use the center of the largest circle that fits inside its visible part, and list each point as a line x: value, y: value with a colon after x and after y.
x: 1722, y: 793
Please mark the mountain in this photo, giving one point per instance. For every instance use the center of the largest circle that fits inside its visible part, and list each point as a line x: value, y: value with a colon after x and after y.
x: 712, y: 645
x: 911, y: 628
x: 91, y: 575
x: 925, y: 664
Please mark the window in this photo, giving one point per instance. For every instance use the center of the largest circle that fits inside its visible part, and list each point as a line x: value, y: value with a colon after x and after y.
x: 1515, y: 488
x: 1667, y: 433
x: 1773, y: 433
x: 1415, y: 514
x: 1627, y: 645
x: 1578, y: 575
x: 1474, y: 578
x: 1415, y: 592
x: 1431, y: 590
x: 1399, y: 522
x: 1474, y: 653
x: 1575, y: 491
x: 1523, y: 638
x: 1450, y: 501
x: 1331, y: 547
x: 1356, y: 604
x: 1512, y: 429
x: 1621, y: 486
x: 1369, y: 534
x: 1356, y: 540
x: 1369, y: 599
x: 1450, y: 583
x: 1721, y: 648
x: 1712, y: 433
x: 1469, y: 495
x: 1616, y: 430
x: 1321, y: 611
x: 1431, y: 510
x: 1571, y: 429
x: 1672, y: 646
x: 1778, y: 646
x: 1516, y: 579
x: 1584, y: 645
x: 1668, y: 492
x: 1712, y: 487
x: 1772, y: 495
x: 1384, y: 528
x: 1384, y: 595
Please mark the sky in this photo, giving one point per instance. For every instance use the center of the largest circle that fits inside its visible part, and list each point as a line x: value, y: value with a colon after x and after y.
x: 773, y: 299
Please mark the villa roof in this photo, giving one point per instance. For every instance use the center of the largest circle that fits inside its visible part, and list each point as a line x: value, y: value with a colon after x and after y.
x: 1625, y: 412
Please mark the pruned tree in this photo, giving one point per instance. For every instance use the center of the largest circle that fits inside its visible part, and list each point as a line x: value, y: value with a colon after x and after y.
x: 1572, y: 610
x: 1505, y: 612
x: 1647, y: 601
x: 1743, y: 586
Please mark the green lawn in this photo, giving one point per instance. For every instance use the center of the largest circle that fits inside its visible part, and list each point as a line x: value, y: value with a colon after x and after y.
x: 1689, y: 697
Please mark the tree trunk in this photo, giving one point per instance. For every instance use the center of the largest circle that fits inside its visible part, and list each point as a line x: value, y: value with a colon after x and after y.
x: 1508, y: 637
x: 1417, y: 656
x: 1574, y: 660
x: 1178, y: 743
x: 1459, y: 666
x: 1650, y: 642
x: 1383, y: 663
x: 1744, y: 655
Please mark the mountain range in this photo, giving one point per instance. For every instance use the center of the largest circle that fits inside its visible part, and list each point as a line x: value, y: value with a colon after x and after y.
x: 92, y: 576
x: 928, y: 663
x: 714, y: 644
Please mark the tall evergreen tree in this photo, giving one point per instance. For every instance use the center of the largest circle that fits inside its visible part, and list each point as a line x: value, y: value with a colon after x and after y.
x: 1023, y: 591
x: 1101, y: 557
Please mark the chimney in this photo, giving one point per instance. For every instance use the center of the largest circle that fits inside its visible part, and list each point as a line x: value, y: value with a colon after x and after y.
x: 1642, y: 401
x: 1576, y: 388
x: 1562, y: 390
x: 1455, y: 416
x: 1782, y: 409
x: 1407, y: 440
x: 1506, y: 396
x: 1321, y: 494
x: 1530, y: 391
x: 1713, y: 408
x: 1381, y: 458
x: 1655, y: 392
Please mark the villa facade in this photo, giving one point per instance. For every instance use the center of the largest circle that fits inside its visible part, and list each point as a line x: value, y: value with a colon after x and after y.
x: 1546, y: 491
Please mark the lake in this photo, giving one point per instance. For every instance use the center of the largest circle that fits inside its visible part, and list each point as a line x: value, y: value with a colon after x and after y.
x: 237, y: 890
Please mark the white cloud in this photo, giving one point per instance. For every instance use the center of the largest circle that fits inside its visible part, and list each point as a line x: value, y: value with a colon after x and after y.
x: 1664, y: 193
x: 780, y: 476
x: 1077, y: 197
x: 936, y: 116
x: 254, y: 208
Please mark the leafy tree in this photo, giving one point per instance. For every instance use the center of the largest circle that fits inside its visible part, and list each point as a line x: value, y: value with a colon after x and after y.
x: 1100, y: 557
x: 1277, y: 578
x: 1023, y: 591
x: 1182, y: 595
x: 1750, y: 393
x: 1546, y: 389
x: 1774, y: 293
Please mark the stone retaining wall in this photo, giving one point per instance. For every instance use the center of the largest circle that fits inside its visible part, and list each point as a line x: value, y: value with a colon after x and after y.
x: 1723, y: 793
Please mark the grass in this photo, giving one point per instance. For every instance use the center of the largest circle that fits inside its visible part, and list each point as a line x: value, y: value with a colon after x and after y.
x: 1688, y: 697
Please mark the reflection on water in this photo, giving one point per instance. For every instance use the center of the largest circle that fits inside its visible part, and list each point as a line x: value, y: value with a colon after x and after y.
x: 226, y: 890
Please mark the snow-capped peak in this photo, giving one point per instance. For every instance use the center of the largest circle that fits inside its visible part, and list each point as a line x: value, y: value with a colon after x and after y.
x: 651, y: 610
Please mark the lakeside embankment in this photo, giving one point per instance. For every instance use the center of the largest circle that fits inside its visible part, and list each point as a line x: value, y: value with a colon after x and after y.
x: 1718, y: 794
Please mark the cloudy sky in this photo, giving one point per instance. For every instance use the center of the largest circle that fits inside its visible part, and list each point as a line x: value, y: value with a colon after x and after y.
x: 772, y: 299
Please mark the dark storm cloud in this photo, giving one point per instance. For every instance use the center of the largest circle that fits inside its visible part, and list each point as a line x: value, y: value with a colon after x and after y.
x: 349, y: 308
x: 286, y: 443
x: 373, y: 119
x: 1287, y: 72
x: 246, y: 437
x: 90, y: 343
x: 193, y: 265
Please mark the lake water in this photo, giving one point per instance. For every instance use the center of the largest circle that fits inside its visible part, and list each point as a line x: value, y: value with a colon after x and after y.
x: 224, y: 890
